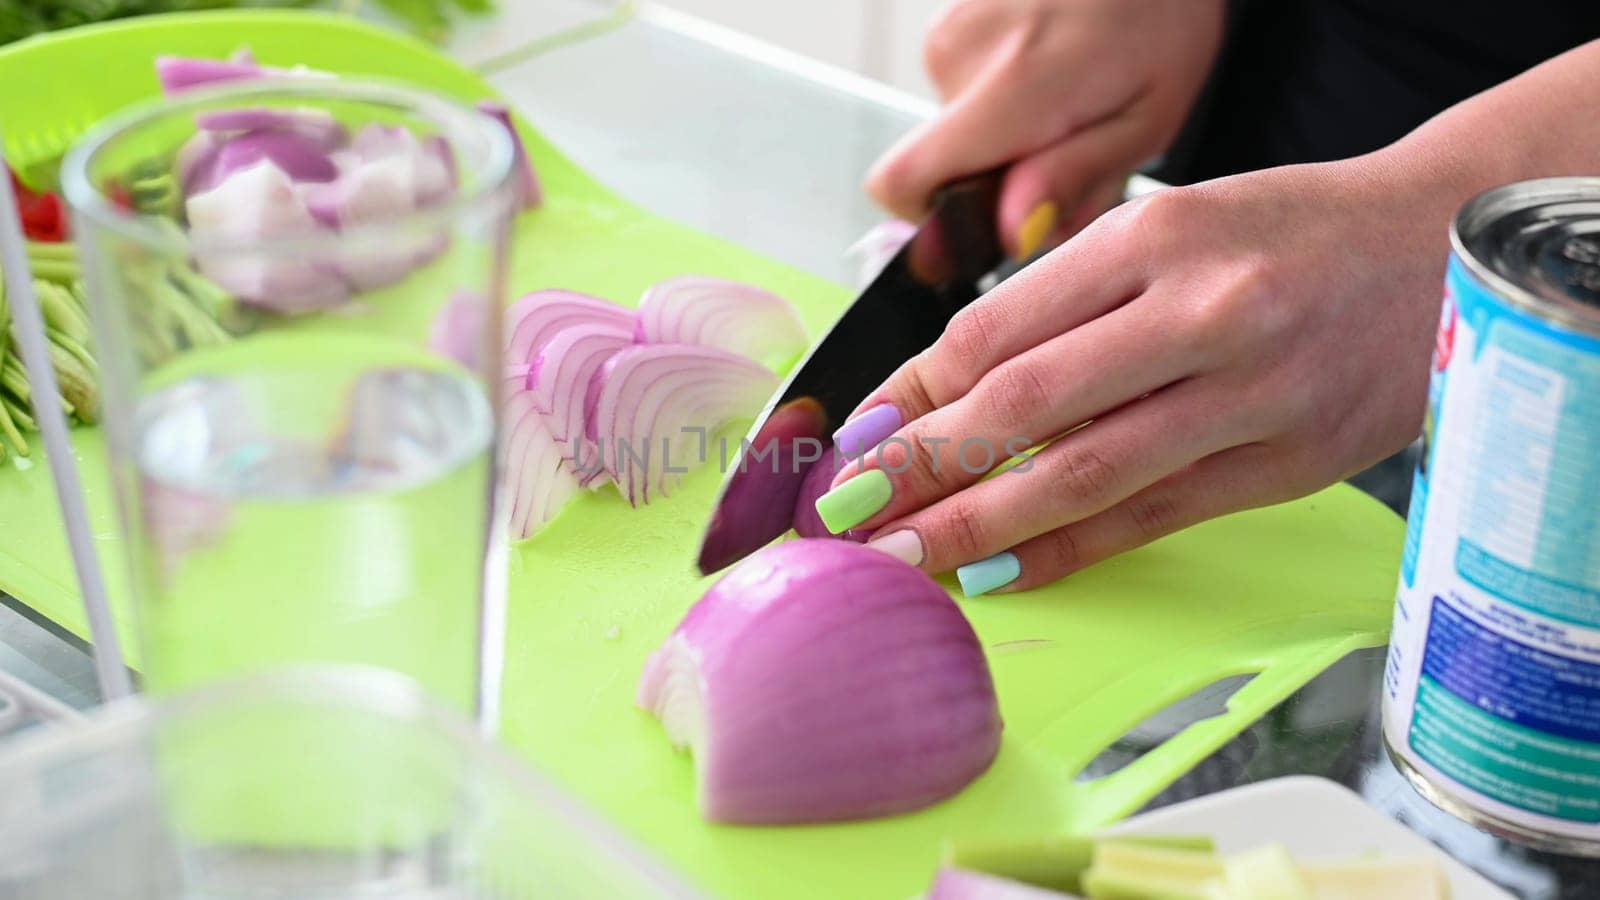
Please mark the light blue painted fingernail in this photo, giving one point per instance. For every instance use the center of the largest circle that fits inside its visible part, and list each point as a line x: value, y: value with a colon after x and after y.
x: 981, y: 577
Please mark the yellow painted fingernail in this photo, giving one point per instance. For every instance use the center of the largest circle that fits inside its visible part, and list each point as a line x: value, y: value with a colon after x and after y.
x: 1036, y: 229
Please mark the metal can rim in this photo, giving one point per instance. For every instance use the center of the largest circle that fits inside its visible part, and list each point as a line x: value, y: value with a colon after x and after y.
x: 1571, y: 313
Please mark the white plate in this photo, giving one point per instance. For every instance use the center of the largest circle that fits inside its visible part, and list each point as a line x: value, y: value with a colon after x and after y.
x: 1314, y: 818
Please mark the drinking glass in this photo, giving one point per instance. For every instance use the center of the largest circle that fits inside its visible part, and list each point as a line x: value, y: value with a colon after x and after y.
x: 294, y: 289
x: 305, y: 782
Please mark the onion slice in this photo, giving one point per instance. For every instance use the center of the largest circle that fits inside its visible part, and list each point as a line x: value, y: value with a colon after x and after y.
x: 179, y: 73
x: 822, y: 681
x: 203, y: 166
x: 761, y: 496
x: 317, y: 124
x: 732, y: 316
x: 655, y: 401
x: 964, y: 884
x: 257, y: 203
x: 879, y: 245
x: 535, y: 319
x: 539, y: 481
x: 559, y: 380
x: 458, y: 329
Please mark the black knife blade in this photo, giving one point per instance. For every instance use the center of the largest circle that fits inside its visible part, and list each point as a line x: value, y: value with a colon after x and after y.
x: 946, y: 265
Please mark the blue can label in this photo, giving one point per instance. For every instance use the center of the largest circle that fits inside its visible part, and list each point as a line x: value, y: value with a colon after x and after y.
x: 1493, y: 682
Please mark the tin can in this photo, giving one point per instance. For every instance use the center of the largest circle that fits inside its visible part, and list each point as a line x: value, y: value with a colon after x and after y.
x: 1492, y: 686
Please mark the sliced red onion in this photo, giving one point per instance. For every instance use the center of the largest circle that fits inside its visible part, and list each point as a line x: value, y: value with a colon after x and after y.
x: 254, y: 204
x: 761, y: 495
x: 732, y: 316
x: 538, y: 479
x: 879, y: 245
x: 964, y: 884
x: 560, y: 376
x: 177, y: 73
x: 317, y: 124
x: 300, y: 157
x: 532, y: 321
x: 650, y: 397
x: 457, y: 331
x: 821, y: 681
x: 529, y: 193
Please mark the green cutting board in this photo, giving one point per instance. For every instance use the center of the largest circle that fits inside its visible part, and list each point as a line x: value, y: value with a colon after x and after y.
x: 1282, y: 591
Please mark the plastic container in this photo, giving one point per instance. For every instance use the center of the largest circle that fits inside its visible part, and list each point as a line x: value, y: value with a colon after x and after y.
x: 305, y: 783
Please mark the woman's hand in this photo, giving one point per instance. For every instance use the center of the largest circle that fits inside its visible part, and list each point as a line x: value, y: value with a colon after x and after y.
x: 1072, y: 94
x: 1235, y: 343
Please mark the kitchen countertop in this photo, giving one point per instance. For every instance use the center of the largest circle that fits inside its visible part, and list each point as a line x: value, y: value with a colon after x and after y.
x: 767, y: 149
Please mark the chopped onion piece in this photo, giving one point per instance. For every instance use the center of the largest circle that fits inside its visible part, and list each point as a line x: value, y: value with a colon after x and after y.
x: 529, y: 193
x: 300, y: 157
x: 532, y: 321
x: 317, y: 124
x: 254, y: 204
x: 457, y: 330
x: 879, y: 245
x: 177, y: 73
x: 822, y: 681
x: 732, y: 316
x: 656, y: 401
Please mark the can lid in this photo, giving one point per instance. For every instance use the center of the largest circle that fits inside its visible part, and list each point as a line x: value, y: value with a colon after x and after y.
x: 1541, y: 238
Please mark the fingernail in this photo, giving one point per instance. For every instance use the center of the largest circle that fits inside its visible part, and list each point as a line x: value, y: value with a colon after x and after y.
x: 981, y: 577
x: 903, y: 545
x: 1035, y: 229
x: 857, y: 436
x: 853, y: 502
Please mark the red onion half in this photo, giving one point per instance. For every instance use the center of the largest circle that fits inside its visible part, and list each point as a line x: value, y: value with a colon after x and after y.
x: 732, y: 316
x: 648, y: 398
x: 821, y: 681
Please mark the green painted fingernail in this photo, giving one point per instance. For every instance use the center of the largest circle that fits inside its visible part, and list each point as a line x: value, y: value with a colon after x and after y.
x: 853, y: 502
x: 981, y: 577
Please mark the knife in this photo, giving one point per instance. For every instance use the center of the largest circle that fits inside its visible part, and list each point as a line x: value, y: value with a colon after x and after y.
x: 948, y: 263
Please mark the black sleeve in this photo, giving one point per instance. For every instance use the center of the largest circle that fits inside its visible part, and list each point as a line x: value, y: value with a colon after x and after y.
x: 1311, y: 80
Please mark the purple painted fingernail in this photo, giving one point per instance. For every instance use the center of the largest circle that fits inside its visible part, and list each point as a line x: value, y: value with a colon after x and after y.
x: 867, y: 430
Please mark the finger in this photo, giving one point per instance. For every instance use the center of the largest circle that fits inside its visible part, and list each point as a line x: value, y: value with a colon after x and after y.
x: 1097, y: 271
x: 1226, y: 482
x: 1044, y: 194
x: 961, y: 41
x: 1079, y: 475
x: 1025, y: 401
x: 980, y: 129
